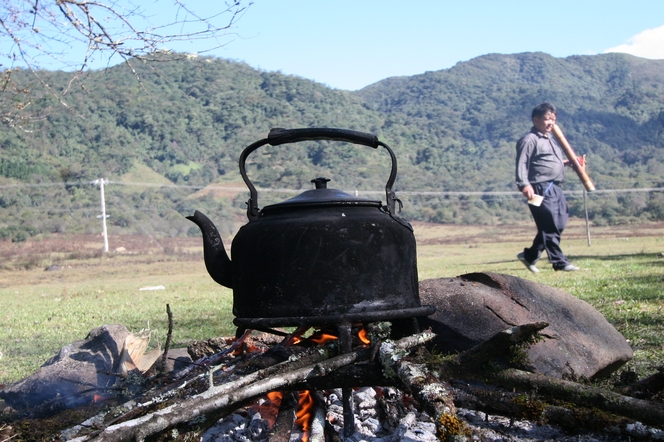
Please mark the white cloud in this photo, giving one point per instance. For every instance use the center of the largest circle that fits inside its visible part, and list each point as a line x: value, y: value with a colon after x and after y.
x: 647, y: 44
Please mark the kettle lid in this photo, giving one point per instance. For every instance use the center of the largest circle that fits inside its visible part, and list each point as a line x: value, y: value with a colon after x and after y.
x: 322, y: 196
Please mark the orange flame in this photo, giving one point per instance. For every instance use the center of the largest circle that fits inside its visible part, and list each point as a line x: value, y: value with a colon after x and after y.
x: 275, y: 397
x: 362, y: 334
x: 305, y: 406
x: 270, y: 409
x: 98, y: 398
x: 296, y: 336
x: 322, y: 338
x: 251, y: 348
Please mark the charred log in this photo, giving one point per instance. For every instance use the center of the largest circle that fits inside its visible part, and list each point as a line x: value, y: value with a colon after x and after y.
x: 648, y: 388
x: 531, y: 406
x: 648, y: 412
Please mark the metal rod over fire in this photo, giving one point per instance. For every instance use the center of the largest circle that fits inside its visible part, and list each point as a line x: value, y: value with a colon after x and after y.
x: 345, y: 346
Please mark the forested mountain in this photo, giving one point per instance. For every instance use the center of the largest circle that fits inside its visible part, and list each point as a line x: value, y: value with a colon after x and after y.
x: 184, y: 123
x: 610, y: 107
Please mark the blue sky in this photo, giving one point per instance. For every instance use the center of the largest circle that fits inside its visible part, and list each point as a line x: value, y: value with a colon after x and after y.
x: 349, y: 44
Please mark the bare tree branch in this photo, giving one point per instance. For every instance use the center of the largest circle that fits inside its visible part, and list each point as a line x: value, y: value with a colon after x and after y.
x: 74, y: 34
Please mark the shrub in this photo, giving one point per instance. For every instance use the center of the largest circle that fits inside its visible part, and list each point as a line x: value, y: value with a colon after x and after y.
x: 20, y: 237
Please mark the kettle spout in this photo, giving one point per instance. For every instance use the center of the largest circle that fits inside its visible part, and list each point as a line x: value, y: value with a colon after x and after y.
x: 217, y: 263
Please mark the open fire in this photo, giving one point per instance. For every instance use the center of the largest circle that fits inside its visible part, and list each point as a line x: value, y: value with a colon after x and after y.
x: 305, y: 406
x: 277, y: 392
x: 317, y: 414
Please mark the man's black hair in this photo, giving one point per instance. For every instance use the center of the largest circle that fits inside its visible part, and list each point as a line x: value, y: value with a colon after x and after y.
x: 542, y: 109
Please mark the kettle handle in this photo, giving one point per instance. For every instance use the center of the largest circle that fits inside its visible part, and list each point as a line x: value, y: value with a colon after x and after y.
x: 278, y: 136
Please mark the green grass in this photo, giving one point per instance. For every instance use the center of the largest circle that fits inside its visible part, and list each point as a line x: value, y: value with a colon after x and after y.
x: 622, y: 275
x: 38, y: 319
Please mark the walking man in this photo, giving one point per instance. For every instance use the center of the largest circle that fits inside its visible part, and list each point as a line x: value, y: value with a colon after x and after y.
x: 540, y: 169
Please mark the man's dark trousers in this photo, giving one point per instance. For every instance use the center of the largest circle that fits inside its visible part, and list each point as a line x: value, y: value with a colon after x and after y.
x: 551, y: 219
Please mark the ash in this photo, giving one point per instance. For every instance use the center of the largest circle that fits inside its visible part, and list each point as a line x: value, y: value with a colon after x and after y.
x: 389, y: 415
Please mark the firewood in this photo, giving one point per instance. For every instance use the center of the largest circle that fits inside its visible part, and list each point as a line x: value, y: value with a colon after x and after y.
x: 504, y: 345
x: 227, y: 396
x: 317, y: 431
x: 533, y: 407
x: 471, y: 365
x: 648, y: 387
x: 648, y: 412
x: 435, y: 396
x: 426, y: 376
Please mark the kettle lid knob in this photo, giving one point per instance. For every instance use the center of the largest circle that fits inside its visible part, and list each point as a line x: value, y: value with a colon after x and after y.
x: 320, y: 183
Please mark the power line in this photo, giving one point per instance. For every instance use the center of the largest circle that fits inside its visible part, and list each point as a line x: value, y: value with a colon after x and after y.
x: 361, y: 192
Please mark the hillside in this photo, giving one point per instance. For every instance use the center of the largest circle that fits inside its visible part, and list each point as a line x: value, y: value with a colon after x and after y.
x: 610, y: 107
x: 186, y: 121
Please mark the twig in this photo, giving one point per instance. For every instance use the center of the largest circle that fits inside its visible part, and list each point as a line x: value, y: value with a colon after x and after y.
x: 167, y: 345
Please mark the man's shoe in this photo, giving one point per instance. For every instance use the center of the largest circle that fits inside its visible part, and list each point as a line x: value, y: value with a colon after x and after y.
x: 567, y: 268
x: 530, y: 266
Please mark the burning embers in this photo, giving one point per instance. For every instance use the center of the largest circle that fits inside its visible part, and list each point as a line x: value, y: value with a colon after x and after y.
x: 380, y: 414
x: 286, y: 415
x: 306, y: 400
x: 308, y: 414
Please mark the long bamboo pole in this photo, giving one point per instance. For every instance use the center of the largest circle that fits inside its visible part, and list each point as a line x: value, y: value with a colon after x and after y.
x: 571, y: 156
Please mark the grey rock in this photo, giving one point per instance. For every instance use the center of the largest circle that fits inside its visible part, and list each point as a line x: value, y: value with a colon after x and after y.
x: 73, y: 376
x: 472, y: 308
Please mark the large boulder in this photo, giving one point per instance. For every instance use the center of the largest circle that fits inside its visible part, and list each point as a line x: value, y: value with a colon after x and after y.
x: 472, y: 308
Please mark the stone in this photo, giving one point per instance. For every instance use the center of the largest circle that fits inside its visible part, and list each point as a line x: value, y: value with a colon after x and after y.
x: 82, y: 370
x: 178, y: 359
x: 579, y: 342
x: 75, y: 375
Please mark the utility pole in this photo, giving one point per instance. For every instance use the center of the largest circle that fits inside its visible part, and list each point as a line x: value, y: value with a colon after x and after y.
x: 103, y: 216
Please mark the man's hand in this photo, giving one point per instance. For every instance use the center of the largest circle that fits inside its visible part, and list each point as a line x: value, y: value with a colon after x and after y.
x: 528, y: 191
x: 581, y: 161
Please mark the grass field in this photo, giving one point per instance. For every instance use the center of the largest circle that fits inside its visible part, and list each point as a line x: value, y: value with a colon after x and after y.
x: 622, y: 275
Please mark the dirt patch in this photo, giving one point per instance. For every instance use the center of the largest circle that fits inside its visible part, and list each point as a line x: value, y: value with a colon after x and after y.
x: 80, y: 243
x: 425, y: 234
x: 69, y: 250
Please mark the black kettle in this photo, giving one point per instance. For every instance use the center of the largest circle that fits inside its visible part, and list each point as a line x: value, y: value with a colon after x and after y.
x: 319, y: 257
